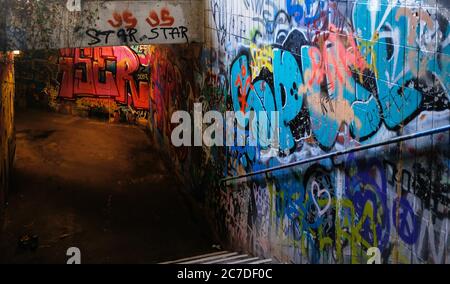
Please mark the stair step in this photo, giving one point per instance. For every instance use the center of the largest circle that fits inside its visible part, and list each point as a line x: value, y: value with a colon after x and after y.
x: 222, y: 257
x: 195, y: 257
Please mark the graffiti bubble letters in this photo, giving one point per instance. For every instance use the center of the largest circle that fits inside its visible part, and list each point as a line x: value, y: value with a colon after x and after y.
x: 164, y: 20
x: 121, y: 18
x: 107, y: 72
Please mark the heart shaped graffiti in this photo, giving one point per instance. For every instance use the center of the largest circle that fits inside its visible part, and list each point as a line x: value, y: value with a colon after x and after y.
x: 317, y: 194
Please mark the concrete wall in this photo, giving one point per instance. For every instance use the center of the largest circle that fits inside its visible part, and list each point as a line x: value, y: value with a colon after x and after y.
x: 7, y: 130
x: 342, y: 74
x: 52, y: 24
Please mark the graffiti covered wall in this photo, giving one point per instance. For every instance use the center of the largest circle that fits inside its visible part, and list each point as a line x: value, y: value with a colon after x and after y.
x: 139, y: 84
x: 108, y: 79
x: 175, y: 78
x: 111, y: 82
x: 53, y: 24
x: 7, y: 130
x: 342, y: 74
x: 87, y: 82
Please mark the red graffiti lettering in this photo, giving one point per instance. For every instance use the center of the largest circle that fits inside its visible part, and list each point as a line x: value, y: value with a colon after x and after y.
x: 111, y: 72
x: 243, y: 88
x: 164, y: 19
x: 119, y: 19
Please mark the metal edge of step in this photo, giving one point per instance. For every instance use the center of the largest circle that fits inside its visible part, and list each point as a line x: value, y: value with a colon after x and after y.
x: 224, y: 261
x: 202, y: 260
x: 244, y: 261
x: 195, y: 257
x: 264, y: 261
x: 222, y: 257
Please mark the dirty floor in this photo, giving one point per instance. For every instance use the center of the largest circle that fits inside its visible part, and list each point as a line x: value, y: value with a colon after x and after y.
x: 99, y: 187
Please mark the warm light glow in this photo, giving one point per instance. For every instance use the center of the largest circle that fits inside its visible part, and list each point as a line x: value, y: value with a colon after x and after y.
x: 16, y: 52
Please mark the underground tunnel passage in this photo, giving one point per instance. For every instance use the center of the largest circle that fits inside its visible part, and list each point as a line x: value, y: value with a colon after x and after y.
x: 339, y: 152
x: 86, y: 174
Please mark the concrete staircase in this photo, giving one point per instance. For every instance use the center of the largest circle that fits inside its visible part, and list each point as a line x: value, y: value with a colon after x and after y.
x: 222, y: 257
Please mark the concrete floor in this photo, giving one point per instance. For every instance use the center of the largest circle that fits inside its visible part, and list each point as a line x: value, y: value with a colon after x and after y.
x: 99, y: 187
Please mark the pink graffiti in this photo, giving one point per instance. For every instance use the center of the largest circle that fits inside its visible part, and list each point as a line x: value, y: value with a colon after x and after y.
x: 343, y: 55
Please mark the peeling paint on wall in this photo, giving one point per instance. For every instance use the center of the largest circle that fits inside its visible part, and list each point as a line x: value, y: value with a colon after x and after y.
x: 53, y: 24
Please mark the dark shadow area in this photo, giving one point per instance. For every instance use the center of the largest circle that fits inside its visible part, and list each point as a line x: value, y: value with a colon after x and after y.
x: 99, y: 187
